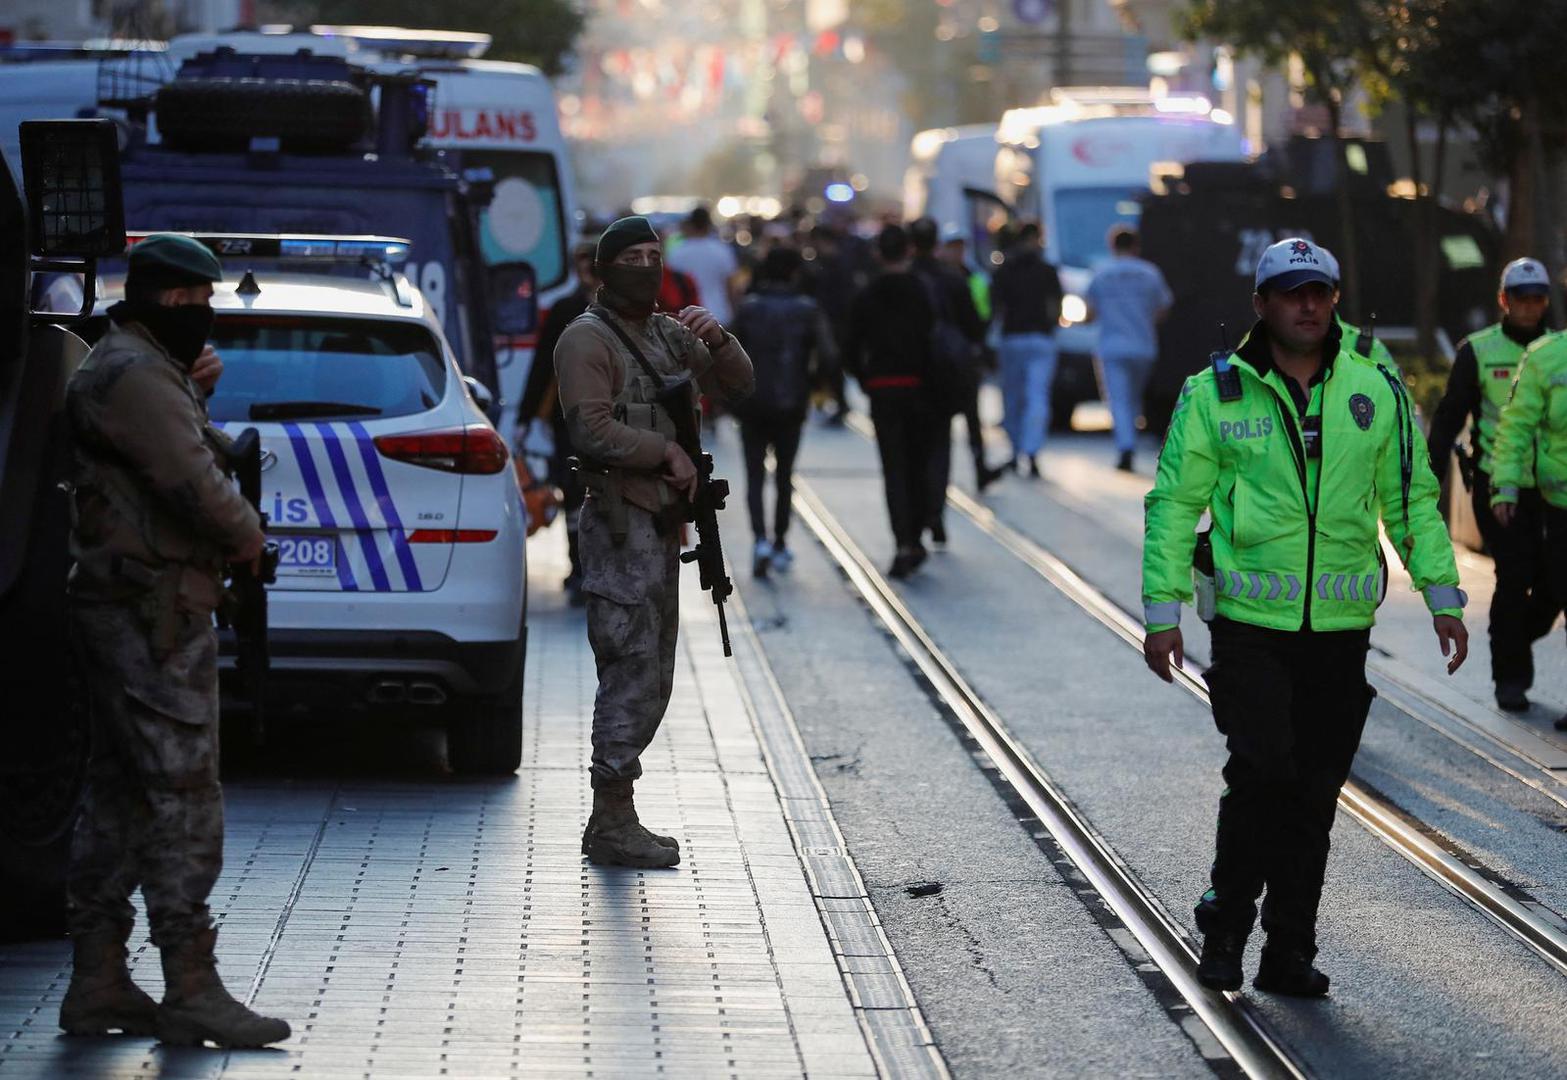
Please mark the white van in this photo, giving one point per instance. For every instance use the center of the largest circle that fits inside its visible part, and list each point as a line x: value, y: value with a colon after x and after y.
x: 952, y: 179
x: 1080, y: 166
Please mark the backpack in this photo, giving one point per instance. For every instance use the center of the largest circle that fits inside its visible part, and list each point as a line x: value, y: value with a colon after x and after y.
x: 952, y: 371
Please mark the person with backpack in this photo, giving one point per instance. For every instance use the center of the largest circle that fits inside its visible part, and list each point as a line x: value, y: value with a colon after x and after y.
x: 888, y: 350
x: 1027, y: 295
x: 787, y: 337
x: 958, y: 343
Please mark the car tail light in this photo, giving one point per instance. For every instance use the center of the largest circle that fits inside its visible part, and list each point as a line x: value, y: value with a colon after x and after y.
x: 452, y: 536
x: 476, y: 448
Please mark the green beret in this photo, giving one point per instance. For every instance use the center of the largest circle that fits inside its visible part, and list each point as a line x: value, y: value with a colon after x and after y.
x: 623, y: 234
x: 171, y: 260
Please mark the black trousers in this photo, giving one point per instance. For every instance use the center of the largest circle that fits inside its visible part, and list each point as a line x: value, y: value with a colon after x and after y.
x: 1525, y: 603
x: 911, y: 437
x: 1292, y: 705
x: 780, y: 432
x: 976, y: 443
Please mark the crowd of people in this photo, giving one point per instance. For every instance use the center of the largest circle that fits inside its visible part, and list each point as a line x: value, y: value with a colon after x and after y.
x: 908, y: 312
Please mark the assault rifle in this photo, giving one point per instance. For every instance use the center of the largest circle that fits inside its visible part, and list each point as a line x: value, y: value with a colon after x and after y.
x: 679, y: 400
x: 247, y: 613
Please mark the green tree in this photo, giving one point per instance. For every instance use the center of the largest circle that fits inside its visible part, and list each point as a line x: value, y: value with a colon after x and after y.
x: 539, y: 32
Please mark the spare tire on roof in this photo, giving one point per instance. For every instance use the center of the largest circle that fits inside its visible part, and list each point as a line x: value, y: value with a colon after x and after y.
x: 306, y: 115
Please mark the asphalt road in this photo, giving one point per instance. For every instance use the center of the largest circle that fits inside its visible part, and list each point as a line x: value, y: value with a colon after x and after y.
x: 1011, y: 968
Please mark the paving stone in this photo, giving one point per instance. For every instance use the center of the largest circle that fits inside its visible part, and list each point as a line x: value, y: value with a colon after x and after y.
x: 421, y: 926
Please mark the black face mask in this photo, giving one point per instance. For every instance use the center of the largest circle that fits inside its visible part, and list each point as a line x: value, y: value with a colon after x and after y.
x: 632, y: 290
x: 183, y: 330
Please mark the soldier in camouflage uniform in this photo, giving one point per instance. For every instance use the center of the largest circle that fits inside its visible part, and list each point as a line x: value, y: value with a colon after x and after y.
x: 637, y: 477
x: 155, y: 518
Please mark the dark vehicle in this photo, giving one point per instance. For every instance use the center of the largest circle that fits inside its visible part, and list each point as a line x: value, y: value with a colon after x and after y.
x: 1207, y: 231
x: 43, y: 769
x: 305, y: 144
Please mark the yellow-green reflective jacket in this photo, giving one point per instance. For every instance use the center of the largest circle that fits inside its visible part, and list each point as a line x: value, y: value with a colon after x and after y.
x: 1295, y: 541
x: 1531, y: 437
x: 1364, y: 343
x: 1496, y: 366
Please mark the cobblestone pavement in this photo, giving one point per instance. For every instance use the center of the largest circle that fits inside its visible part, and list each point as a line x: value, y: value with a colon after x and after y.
x: 416, y: 927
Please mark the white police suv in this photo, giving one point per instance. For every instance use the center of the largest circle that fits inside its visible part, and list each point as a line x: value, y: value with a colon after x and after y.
x: 402, y: 581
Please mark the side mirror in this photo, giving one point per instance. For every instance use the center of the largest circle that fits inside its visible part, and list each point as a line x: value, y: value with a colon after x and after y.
x: 514, y: 297
x: 481, y: 394
x: 75, y: 208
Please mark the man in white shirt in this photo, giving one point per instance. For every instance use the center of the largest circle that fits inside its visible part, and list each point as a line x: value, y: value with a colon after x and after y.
x: 1128, y: 298
x: 709, y: 261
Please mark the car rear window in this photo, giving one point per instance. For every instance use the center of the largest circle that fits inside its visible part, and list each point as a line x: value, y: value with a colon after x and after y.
x: 371, y: 366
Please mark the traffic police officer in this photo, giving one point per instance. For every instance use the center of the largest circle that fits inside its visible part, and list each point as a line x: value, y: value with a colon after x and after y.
x: 154, y: 519
x: 612, y: 363
x: 1530, y: 448
x: 1522, y: 606
x: 1295, y: 445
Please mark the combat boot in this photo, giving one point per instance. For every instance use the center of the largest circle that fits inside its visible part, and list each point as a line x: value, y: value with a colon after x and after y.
x: 1287, y: 969
x: 616, y: 837
x: 197, y: 1008
x: 1220, y: 966
x: 102, y: 999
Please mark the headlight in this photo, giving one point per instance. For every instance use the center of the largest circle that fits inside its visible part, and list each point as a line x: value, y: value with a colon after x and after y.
x: 1073, y: 309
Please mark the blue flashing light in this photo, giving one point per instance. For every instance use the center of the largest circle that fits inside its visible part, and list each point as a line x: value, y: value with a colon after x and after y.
x: 839, y: 192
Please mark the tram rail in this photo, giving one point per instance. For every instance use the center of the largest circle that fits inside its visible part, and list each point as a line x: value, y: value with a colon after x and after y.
x: 1255, y: 1050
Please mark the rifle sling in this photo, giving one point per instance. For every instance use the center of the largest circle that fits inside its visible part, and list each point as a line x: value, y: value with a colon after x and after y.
x: 625, y: 339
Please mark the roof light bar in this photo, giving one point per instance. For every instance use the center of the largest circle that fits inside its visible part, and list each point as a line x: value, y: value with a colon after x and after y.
x: 434, y: 44
x: 382, y: 249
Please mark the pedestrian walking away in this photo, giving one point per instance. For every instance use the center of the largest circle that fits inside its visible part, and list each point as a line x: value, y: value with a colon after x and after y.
x: 1298, y: 448
x: 787, y: 337
x: 712, y: 264
x: 1128, y: 298
x: 888, y: 349
x: 1524, y: 603
x: 615, y: 363
x: 541, y: 403
x: 1026, y: 294
x: 1530, y: 449
x: 155, y: 518
x: 954, y: 254
x: 960, y: 337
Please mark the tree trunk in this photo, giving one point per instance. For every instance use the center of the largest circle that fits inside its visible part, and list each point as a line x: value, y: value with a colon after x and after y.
x: 1348, y: 247
x: 1523, y: 198
x: 1428, y: 255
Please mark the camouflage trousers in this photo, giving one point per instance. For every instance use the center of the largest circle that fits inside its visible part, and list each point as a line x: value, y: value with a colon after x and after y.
x: 153, y: 815
x: 633, y: 594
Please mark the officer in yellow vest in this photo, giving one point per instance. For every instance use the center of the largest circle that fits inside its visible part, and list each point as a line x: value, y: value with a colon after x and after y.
x: 1298, y: 447
x: 1522, y: 607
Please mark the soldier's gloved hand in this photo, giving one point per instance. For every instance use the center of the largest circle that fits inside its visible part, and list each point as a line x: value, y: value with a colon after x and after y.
x: 250, y: 554
x: 700, y: 322
x: 207, y: 369
x: 679, y: 473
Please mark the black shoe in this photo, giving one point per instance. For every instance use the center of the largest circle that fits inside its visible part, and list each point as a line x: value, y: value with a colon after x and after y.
x: 1510, y: 697
x: 1220, y: 966
x: 984, y: 476
x: 1033, y: 468
x: 1124, y: 462
x: 902, y: 567
x: 1289, y: 971
x: 938, y: 533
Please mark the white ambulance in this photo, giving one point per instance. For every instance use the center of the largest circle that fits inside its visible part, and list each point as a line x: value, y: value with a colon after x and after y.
x: 1079, y: 166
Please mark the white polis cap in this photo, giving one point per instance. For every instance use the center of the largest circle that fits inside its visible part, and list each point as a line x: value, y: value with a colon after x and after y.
x: 1291, y: 263
x: 1526, y: 276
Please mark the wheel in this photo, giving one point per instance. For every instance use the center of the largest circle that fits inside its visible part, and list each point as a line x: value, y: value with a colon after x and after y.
x: 39, y: 806
x: 225, y: 113
x: 484, y: 735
